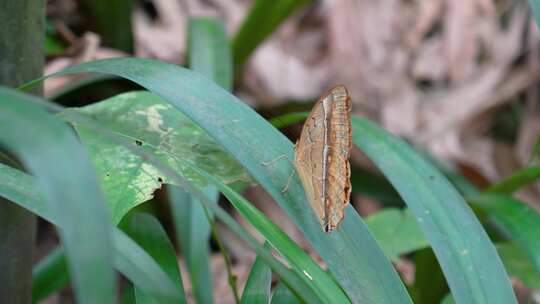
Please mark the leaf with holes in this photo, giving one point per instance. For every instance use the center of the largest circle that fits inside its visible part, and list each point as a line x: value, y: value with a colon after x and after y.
x: 128, y: 180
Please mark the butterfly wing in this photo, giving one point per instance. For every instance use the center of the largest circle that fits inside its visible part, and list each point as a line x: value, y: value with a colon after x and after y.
x: 321, y: 157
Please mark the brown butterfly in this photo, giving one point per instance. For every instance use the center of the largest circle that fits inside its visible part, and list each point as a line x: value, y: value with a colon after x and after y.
x: 322, y: 157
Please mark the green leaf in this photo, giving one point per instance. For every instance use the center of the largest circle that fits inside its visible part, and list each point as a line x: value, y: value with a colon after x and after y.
x: 148, y: 121
x: 283, y: 295
x: 209, y: 52
x: 130, y: 259
x: 111, y: 19
x: 150, y: 235
x: 515, y: 181
x: 73, y: 196
x: 361, y: 268
x: 53, y: 46
x: 50, y: 274
x: 469, y: 260
x: 257, y: 289
x: 518, y: 264
x: 516, y: 220
x: 193, y: 231
x: 397, y: 232
x: 263, y: 19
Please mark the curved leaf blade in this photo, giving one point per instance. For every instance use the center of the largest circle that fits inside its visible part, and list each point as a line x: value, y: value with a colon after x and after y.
x: 257, y: 289
x: 518, y: 221
x: 469, y: 260
x: 146, y: 230
x: 515, y: 181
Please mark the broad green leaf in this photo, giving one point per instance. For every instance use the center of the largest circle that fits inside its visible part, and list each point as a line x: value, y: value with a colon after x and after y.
x: 515, y: 181
x: 146, y: 230
x: 263, y: 19
x: 516, y: 220
x: 257, y: 289
x: 282, y: 295
x: 155, y: 125
x: 130, y: 259
x: 467, y: 257
x: 73, y: 196
x: 361, y: 268
x: 397, y: 232
x: 518, y: 264
x: 209, y: 52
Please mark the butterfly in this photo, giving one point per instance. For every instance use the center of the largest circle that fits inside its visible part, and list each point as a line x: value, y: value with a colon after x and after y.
x: 322, y: 157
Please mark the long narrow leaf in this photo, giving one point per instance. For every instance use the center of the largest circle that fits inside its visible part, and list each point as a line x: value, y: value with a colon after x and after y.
x: 469, y: 260
x: 263, y: 18
x: 518, y: 221
x: 51, y: 154
x: 361, y: 268
x: 209, y: 53
x: 515, y: 181
x: 193, y: 231
x: 257, y: 289
x: 150, y: 235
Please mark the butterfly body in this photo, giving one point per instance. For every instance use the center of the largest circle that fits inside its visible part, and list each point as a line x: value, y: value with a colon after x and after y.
x: 322, y: 157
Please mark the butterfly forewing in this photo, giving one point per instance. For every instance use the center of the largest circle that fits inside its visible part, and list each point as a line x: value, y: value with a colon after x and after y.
x: 321, y: 157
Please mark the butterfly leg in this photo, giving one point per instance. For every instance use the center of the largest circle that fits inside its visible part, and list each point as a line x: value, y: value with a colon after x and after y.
x: 272, y: 162
x: 288, y: 183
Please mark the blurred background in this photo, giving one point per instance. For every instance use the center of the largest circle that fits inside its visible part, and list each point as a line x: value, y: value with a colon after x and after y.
x: 458, y: 79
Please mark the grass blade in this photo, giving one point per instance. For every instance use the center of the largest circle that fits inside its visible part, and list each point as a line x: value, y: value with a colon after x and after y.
x: 74, y: 196
x: 518, y: 221
x: 263, y: 18
x: 515, y: 181
x: 193, y: 232
x: 361, y: 269
x: 257, y: 289
x: 469, y: 260
x: 209, y: 52
x: 146, y: 230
